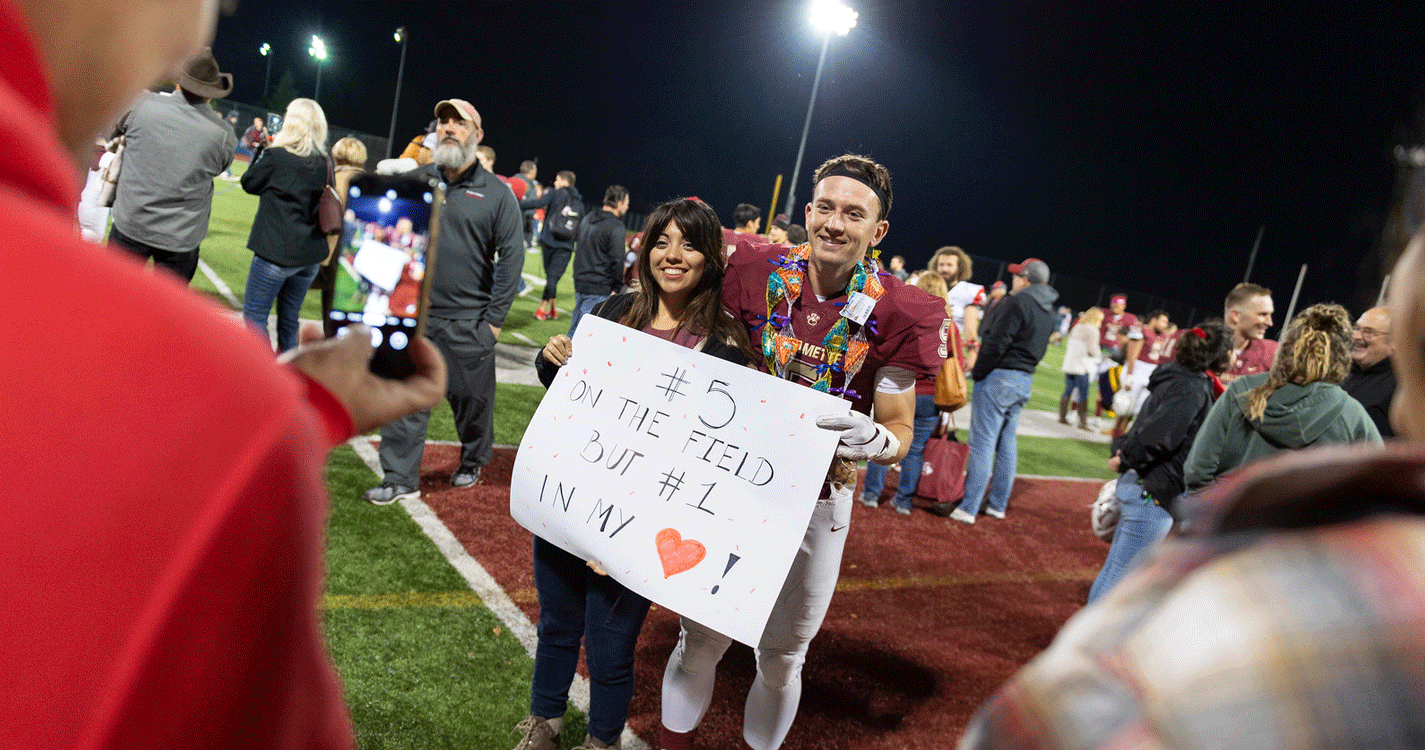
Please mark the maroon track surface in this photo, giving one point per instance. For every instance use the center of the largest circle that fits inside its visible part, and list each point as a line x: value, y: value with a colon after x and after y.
x: 929, y: 618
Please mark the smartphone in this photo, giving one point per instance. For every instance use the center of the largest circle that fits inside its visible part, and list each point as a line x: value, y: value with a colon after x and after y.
x: 386, y: 258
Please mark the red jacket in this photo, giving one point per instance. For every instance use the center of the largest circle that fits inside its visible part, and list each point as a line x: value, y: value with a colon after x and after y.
x: 164, y: 514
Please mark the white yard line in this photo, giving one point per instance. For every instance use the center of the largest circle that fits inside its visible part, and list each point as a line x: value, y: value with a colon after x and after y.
x: 482, y: 583
x: 218, y: 282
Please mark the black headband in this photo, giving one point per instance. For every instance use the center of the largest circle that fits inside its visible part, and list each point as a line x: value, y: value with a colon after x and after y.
x: 841, y: 170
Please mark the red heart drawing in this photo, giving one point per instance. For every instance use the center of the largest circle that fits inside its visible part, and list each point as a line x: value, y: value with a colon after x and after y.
x: 677, y: 554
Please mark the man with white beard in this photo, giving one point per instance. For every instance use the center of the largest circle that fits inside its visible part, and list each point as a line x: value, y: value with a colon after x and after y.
x: 477, y: 269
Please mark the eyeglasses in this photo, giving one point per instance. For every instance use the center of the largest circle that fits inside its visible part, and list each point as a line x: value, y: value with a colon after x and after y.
x: 1369, y: 333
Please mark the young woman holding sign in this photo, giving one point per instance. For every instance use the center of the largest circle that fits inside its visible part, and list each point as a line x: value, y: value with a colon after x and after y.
x: 679, y: 299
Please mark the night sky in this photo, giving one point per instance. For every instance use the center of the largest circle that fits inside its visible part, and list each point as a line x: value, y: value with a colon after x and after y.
x: 1137, y: 143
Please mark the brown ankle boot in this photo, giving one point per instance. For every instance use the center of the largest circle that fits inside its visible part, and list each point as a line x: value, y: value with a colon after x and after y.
x: 1063, y: 410
x: 1083, y: 415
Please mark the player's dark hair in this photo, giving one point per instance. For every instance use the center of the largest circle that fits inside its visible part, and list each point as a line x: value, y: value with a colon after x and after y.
x: 615, y: 195
x: 796, y: 234
x: 704, y: 314
x: 744, y: 213
x: 1157, y: 313
x: 568, y: 177
x: 861, y: 168
x: 1210, y: 351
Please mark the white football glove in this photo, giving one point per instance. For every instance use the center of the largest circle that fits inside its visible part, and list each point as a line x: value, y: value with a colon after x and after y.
x: 861, y: 437
x: 1104, y: 512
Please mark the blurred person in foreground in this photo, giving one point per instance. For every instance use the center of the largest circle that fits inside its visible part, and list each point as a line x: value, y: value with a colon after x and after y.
x: 1299, y: 403
x: 287, y: 243
x: 1292, y: 615
x: 1149, y: 457
x: 166, y: 595
x: 1372, y: 381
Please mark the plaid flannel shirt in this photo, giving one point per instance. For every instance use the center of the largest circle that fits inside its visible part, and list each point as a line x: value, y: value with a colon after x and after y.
x: 1292, y: 616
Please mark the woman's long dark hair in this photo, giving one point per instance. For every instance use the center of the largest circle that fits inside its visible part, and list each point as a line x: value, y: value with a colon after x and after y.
x: 704, y: 313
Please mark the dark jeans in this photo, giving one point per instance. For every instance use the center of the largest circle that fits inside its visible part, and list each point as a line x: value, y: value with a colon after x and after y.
x: 469, y: 350
x: 184, y: 264
x: 287, y: 286
x: 556, y: 259
x: 575, y: 603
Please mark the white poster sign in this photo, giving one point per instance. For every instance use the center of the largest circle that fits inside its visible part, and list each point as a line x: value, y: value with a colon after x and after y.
x: 691, y: 480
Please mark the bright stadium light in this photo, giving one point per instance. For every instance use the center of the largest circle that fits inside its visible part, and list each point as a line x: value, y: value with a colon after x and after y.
x: 829, y: 17
x: 266, y: 51
x: 401, y: 37
x: 319, y: 51
x: 833, y: 17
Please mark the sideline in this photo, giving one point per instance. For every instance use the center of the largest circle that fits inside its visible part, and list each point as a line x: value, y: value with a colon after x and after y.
x: 483, y: 584
x: 219, y: 284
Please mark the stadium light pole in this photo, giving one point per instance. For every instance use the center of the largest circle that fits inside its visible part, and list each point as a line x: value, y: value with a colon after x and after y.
x: 400, y: 36
x: 830, y: 17
x: 266, y: 51
x: 319, y: 51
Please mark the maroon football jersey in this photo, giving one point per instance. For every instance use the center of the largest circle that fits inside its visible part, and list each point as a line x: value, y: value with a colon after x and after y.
x: 1256, y: 357
x: 907, y: 328
x: 1158, y: 347
x: 1113, y: 325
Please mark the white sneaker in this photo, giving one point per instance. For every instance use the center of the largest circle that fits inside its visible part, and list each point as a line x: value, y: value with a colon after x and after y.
x: 962, y: 516
x: 992, y: 513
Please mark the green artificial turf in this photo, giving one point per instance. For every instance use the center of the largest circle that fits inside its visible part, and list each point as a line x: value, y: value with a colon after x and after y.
x: 423, y: 663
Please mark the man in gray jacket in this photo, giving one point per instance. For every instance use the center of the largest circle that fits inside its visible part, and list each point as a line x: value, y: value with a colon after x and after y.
x: 477, y: 268
x: 1013, y: 338
x: 599, y: 254
x: 174, y: 145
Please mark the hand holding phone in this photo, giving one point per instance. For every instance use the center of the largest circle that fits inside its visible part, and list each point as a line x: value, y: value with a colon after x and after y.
x: 386, y: 262
x: 341, y: 366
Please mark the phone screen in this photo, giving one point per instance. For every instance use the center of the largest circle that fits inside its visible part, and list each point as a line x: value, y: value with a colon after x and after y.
x: 386, y: 256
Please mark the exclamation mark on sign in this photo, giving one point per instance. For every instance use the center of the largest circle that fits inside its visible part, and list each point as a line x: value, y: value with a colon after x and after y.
x: 731, y: 561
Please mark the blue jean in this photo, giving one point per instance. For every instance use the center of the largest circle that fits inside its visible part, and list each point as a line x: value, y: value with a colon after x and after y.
x: 1078, y: 383
x: 575, y: 604
x: 287, y: 285
x: 583, y: 303
x: 1142, y: 523
x: 994, y: 419
x: 926, y: 417
x: 875, y: 480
